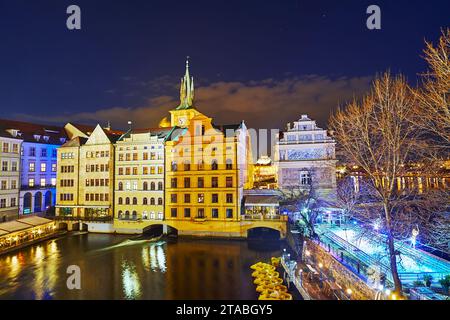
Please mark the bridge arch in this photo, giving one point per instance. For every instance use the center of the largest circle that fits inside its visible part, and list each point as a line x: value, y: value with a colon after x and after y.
x: 264, y: 233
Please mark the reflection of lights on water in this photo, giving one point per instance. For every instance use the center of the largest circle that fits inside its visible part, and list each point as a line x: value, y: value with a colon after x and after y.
x: 39, y: 254
x: 161, y: 258
x: 145, y: 258
x: 157, y: 258
x: 153, y: 261
x: 130, y: 281
x: 53, y: 247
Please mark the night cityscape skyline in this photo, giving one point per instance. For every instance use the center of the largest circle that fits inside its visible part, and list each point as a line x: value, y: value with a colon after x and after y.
x: 211, y: 151
x: 124, y: 64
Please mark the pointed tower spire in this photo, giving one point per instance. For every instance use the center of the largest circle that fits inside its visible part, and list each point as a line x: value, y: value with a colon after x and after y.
x: 186, y: 89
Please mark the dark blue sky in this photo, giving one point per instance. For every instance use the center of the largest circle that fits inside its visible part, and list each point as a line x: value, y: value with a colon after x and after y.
x: 129, y: 52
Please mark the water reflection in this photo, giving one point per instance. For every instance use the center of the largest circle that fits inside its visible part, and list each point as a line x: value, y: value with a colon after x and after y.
x: 185, y: 269
x: 130, y: 281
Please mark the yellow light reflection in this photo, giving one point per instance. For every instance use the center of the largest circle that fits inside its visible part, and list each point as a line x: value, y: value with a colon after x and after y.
x: 130, y: 281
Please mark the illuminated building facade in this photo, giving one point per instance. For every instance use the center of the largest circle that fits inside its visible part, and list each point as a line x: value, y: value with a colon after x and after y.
x: 33, y: 158
x: 85, y: 174
x: 264, y: 173
x: 10, y: 144
x: 305, y: 158
x: 139, y: 177
x: 207, y: 169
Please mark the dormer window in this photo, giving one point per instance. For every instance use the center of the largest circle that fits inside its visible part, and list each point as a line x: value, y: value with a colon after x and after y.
x: 37, y: 137
x: 46, y: 138
x: 63, y: 140
x: 14, y: 133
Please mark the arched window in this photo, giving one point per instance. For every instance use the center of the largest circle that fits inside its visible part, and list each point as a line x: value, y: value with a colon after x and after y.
x: 229, y: 164
x: 214, y: 165
x: 120, y: 186
x: 152, y: 201
x: 145, y: 201
x: 187, y: 166
x: 134, y: 216
x: 152, y: 186
x: 201, y: 165
x: 145, y: 186
x: 144, y: 215
x: 134, y: 200
x: 160, y: 185
x: 120, y: 201
x: 127, y: 200
x: 160, y: 201
x: 120, y: 214
x: 127, y: 215
x: 174, y: 166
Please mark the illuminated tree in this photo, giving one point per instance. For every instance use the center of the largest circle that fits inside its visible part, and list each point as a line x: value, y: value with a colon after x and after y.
x: 376, y: 134
x: 434, y: 94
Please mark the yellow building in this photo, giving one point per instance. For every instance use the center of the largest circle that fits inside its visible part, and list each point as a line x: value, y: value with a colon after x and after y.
x: 207, y: 169
x: 85, y: 174
x: 139, y: 178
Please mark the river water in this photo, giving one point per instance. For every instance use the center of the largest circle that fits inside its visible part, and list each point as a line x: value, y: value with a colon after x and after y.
x: 114, y: 267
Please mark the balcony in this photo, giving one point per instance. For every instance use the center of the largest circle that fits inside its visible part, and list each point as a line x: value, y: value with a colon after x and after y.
x: 84, y: 219
x: 264, y: 217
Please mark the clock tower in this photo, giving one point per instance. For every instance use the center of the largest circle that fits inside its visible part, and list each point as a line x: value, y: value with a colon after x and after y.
x: 182, y: 114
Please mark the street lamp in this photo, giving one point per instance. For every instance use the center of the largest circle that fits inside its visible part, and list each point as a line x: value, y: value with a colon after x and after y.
x: 349, y: 293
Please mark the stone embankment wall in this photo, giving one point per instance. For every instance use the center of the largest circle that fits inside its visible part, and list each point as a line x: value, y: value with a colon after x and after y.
x: 343, y: 276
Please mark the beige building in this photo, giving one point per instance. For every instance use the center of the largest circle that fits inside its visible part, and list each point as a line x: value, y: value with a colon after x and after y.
x: 10, y: 147
x: 139, y: 177
x: 85, y: 174
x: 305, y: 159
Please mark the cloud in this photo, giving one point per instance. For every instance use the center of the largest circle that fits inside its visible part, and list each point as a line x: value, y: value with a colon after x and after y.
x: 267, y: 103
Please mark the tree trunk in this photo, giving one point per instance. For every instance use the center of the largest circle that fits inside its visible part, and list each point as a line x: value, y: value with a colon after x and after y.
x: 393, y: 263
x: 392, y: 254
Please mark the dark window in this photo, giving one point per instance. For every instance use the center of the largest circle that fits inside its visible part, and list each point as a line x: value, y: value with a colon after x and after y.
x: 187, y: 182
x: 173, y: 212
x: 229, y: 164
x: 173, y: 198
x: 229, y: 213
x: 214, y: 165
x: 173, y: 183
x: 214, y: 182
x: 215, y: 198
x: 187, y: 212
x: 201, y: 182
x: 187, y: 198
x: 187, y: 166
x: 201, y: 213
x: 229, y: 182
x: 229, y: 198
x: 214, y: 213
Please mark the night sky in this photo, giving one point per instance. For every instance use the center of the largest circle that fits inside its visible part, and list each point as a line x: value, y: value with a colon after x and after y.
x: 266, y: 62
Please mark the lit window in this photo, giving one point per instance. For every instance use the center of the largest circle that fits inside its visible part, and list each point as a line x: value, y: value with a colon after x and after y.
x: 31, y: 182
x: 43, y: 182
x: 53, y: 181
x: 43, y: 167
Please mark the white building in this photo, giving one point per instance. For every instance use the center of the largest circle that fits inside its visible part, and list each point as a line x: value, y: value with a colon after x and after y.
x: 305, y: 159
x: 9, y: 174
